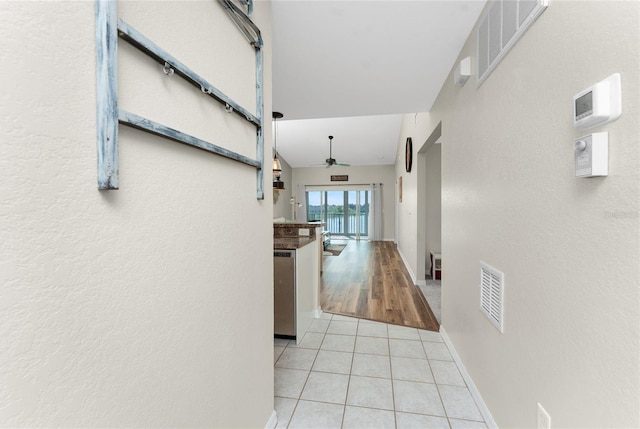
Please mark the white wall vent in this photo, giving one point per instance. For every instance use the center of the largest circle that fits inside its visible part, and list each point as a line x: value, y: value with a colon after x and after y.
x: 491, y: 294
x: 500, y: 28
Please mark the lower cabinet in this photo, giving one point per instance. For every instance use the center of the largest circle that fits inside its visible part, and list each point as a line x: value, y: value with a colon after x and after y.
x: 295, y: 290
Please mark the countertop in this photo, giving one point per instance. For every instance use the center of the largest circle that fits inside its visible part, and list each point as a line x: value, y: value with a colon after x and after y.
x: 297, y: 224
x: 291, y: 243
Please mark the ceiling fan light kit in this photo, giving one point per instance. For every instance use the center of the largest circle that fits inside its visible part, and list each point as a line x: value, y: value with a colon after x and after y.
x: 331, y: 160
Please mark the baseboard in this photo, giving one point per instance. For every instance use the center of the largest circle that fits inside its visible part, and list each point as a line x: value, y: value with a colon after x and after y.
x: 484, y: 410
x: 273, y: 421
x: 317, y: 313
x: 406, y: 264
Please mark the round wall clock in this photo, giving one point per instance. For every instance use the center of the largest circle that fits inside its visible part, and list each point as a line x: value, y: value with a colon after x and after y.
x: 408, y: 155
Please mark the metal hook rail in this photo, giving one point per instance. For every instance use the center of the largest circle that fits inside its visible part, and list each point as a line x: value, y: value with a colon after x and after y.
x: 108, y: 28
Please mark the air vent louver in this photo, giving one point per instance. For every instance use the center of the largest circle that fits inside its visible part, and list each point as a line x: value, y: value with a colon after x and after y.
x: 500, y: 28
x: 491, y: 294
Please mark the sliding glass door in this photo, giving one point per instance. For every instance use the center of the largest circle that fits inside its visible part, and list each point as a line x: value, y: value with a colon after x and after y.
x: 345, y: 213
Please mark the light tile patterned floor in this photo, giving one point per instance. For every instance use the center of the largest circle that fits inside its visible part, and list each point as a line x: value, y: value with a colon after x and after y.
x: 353, y: 373
x: 432, y: 292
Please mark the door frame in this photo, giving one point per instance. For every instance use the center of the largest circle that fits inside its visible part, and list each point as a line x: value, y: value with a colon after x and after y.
x: 421, y: 216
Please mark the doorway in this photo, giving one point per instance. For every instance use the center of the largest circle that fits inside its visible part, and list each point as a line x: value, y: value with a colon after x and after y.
x: 430, y: 221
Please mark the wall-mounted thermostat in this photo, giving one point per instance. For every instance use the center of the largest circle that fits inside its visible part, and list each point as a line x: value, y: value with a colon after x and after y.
x: 592, y: 155
x: 598, y: 104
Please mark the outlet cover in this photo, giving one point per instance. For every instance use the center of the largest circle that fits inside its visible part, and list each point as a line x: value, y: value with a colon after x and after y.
x: 544, y: 420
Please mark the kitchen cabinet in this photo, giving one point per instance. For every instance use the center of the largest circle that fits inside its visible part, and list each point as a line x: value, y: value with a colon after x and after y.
x: 296, y: 278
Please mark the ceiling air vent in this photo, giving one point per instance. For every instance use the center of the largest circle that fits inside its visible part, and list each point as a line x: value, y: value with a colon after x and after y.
x: 491, y: 294
x: 500, y: 28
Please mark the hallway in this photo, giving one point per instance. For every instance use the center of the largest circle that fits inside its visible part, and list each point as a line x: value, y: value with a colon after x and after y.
x: 369, y: 280
x: 350, y: 373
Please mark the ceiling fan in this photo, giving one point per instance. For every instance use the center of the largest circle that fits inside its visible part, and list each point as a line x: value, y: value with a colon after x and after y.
x: 331, y: 160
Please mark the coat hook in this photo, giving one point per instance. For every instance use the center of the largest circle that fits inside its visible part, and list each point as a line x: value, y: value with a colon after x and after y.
x: 206, y: 91
x: 167, y: 69
x: 228, y: 108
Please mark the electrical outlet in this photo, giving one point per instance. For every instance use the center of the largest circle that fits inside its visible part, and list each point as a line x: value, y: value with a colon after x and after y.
x: 544, y: 420
x: 303, y: 232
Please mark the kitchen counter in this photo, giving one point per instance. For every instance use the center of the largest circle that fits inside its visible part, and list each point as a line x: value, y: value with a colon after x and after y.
x: 291, y: 243
x: 297, y: 224
x: 294, y: 235
x: 300, y: 242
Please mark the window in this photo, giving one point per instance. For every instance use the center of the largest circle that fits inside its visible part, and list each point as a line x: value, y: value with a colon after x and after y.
x: 344, y: 212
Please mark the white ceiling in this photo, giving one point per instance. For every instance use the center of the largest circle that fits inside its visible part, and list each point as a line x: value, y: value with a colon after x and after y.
x: 353, y: 61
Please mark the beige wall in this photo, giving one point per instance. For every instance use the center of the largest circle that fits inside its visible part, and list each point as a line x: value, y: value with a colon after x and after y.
x: 359, y: 175
x: 569, y: 247
x: 411, y: 211
x: 151, y: 305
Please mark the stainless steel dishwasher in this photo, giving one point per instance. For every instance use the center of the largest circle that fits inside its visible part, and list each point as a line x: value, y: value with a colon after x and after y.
x: 284, y: 293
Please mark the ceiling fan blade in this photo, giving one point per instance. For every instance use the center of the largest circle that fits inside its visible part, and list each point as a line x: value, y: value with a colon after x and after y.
x: 344, y: 164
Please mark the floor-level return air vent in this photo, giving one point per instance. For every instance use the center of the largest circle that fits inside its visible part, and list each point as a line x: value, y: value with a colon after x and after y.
x: 491, y: 294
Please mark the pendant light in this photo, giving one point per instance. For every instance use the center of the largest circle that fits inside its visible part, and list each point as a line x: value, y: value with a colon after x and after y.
x: 277, y: 168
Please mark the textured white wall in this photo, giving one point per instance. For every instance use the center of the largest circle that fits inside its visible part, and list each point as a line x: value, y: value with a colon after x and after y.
x: 151, y: 305
x: 569, y: 248
x: 411, y: 211
x: 359, y: 175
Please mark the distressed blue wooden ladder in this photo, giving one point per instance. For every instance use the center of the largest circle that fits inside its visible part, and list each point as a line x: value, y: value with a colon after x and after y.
x: 108, y: 29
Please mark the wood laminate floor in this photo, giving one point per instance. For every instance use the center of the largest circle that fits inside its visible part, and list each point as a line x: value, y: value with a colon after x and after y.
x: 369, y: 280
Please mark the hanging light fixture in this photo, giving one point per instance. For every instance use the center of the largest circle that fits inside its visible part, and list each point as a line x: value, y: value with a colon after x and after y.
x: 277, y: 168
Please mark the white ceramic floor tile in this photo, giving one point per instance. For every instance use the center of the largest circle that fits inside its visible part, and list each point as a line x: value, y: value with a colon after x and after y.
x: 375, y: 322
x: 371, y: 345
x: 330, y: 361
x: 406, y: 348
x: 421, y: 398
x: 277, y: 351
x: 445, y: 372
x: 371, y: 365
x: 372, y: 330
x: 430, y: 336
x: 284, y: 409
x: 316, y: 415
x: 370, y: 392
x: 411, y: 369
x: 420, y: 421
x: 466, y: 424
x: 432, y: 292
x: 319, y: 325
x: 288, y: 383
x: 326, y: 387
x: 280, y: 342
x: 426, y: 381
x: 342, y: 328
x: 341, y: 318
x: 459, y: 403
x: 338, y: 343
x: 294, y: 358
x: 311, y: 340
x: 437, y: 351
x: 367, y: 418
x: 403, y: 333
